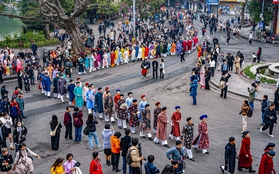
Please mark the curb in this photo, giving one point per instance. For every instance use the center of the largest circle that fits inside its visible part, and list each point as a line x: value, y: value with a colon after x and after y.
x: 256, y: 40
x: 11, y: 77
x: 232, y: 92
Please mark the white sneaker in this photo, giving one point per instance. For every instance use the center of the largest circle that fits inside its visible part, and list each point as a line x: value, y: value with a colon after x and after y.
x: 270, y: 135
x: 261, y: 129
x: 99, y: 146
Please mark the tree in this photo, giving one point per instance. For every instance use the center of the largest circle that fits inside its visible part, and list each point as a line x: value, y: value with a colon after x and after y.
x: 57, y: 15
x: 142, y: 6
x: 243, y: 5
x: 255, y: 8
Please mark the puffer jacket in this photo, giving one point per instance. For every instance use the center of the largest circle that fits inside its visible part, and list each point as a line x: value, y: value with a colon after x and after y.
x: 106, y: 135
x: 245, y: 109
x: 134, y: 151
x: 115, y: 145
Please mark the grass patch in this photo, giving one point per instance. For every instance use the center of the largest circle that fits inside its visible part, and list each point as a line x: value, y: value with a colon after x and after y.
x: 25, y: 40
x: 251, y: 75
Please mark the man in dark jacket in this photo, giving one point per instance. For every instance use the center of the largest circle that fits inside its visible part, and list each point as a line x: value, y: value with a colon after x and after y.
x: 269, y: 119
x: 230, y: 155
x: 230, y: 59
x: 68, y: 123
x: 124, y: 144
x: 3, y: 135
x: 4, y: 91
x: 4, y: 105
x: 225, y: 77
x: 155, y: 68
x: 215, y: 41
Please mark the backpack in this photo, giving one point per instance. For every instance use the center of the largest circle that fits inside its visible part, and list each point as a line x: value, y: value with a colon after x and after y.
x: 129, y: 157
x: 77, y: 121
x: 222, y: 84
x: 14, y: 96
x: 250, y: 112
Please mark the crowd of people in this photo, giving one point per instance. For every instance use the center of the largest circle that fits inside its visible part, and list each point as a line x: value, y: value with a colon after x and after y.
x: 155, y: 40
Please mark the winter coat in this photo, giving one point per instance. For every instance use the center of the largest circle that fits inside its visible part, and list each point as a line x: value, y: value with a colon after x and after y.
x: 106, y: 135
x: 194, y: 88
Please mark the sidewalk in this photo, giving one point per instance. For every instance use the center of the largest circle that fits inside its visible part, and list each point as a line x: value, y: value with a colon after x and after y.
x: 238, y: 85
x: 245, y: 32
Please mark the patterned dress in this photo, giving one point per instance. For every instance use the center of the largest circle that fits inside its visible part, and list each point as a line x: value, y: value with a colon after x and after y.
x: 202, y: 140
x: 108, y: 106
x: 188, y: 134
x: 145, y: 121
x: 157, y: 111
x: 134, y: 120
x: 176, y: 116
x: 122, y: 112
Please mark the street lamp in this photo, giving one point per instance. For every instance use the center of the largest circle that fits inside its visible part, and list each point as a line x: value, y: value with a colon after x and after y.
x: 261, y: 16
x: 134, y: 17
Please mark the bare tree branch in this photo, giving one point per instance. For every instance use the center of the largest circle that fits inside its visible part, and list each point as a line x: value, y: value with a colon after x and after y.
x: 50, y: 6
x: 57, y: 2
x: 79, y: 9
x: 52, y: 21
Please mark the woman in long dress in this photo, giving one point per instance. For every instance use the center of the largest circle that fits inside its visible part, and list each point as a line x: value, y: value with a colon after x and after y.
x: 80, y: 65
x: 55, y: 125
x: 202, y: 78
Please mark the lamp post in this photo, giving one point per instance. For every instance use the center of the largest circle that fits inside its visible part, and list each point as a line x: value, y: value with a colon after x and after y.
x: 134, y: 17
x: 261, y: 16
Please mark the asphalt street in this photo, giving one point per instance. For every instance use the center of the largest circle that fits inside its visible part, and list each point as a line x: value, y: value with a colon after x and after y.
x: 223, y: 118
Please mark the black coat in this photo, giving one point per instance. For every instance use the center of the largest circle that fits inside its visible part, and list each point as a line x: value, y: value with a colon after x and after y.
x: 276, y: 100
x: 91, y: 125
x: 230, y: 155
x: 16, y: 134
x: 4, y: 92
x: 53, y: 126
x: 8, y: 158
x: 124, y: 144
x: 270, y: 113
x: 155, y: 64
x: 5, y: 134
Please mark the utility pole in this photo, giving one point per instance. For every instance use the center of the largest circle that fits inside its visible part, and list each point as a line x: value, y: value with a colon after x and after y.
x: 134, y: 17
x: 261, y: 16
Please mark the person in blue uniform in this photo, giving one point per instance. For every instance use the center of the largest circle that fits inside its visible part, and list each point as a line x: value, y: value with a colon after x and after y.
x: 70, y: 90
x: 99, y: 107
x: 47, y: 83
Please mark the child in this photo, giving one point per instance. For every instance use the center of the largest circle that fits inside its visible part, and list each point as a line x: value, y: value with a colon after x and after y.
x: 254, y: 57
x: 8, y: 70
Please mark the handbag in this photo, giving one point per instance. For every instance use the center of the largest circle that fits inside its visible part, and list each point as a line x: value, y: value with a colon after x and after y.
x: 52, y: 133
x: 86, y: 131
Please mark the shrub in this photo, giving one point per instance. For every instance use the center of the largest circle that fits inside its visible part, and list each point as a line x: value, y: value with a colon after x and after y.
x: 250, y: 74
x: 27, y: 39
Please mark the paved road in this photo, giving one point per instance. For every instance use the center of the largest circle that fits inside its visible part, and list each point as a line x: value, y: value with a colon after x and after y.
x: 223, y: 121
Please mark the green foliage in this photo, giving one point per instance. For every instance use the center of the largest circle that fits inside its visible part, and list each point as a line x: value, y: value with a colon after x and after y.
x: 248, y: 73
x: 269, y: 81
x: 255, y: 8
x: 251, y: 75
x: 142, y: 6
x: 27, y: 39
x: 108, y: 7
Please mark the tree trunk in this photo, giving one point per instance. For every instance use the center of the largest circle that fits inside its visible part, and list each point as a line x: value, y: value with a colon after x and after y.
x: 47, y: 35
x: 74, y: 32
